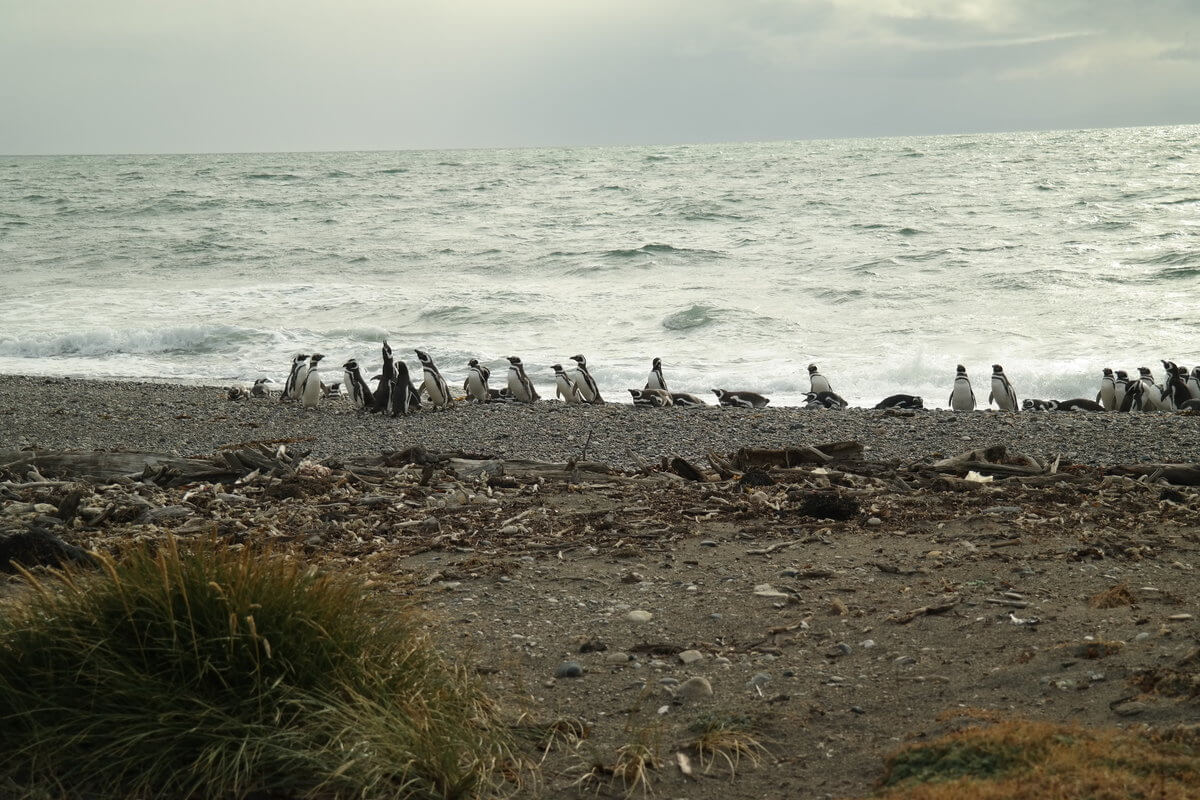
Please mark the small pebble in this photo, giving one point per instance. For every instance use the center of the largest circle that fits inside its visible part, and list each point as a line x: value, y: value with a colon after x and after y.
x: 639, y: 616
x: 689, y: 657
x: 569, y: 669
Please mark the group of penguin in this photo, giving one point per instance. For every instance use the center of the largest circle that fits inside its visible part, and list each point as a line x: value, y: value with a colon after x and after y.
x: 396, y: 394
x: 1179, y: 392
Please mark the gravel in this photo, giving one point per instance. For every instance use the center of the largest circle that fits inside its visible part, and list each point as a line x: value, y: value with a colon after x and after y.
x: 67, y: 414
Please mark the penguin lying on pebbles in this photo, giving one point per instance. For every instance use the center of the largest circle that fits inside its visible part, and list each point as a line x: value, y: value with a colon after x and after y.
x: 1029, y: 404
x: 825, y: 400
x: 650, y: 398
x: 1076, y: 404
x: 901, y: 401
x: 741, y: 399
x: 686, y: 400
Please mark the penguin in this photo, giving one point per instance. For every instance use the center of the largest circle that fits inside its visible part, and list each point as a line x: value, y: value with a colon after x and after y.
x: 817, y: 382
x: 740, y: 399
x: 331, y: 389
x: 311, y: 392
x: 476, y: 384
x: 403, y: 397
x: 1077, y: 404
x: 1151, y: 392
x: 1177, y: 386
x: 1120, y: 387
x: 585, y: 383
x: 1038, y: 405
x: 259, y: 389
x: 656, y: 380
x: 901, y: 401
x: 1134, y: 399
x: 357, y: 387
x: 236, y: 392
x: 1193, y: 383
x: 519, y: 384
x: 1002, y: 393
x: 962, y: 396
x: 295, y: 379
x: 1107, y: 396
x: 686, y: 400
x: 383, y: 392
x: 650, y: 398
x: 1191, y: 405
x: 825, y: 400
x: 565, y: 388
x: 436, y: 387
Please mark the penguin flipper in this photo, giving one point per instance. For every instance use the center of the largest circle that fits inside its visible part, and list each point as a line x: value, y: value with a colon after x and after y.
x: 990, y: 398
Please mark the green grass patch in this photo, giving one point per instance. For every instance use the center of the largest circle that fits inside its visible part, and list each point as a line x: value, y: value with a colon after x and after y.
x: 219, y: 674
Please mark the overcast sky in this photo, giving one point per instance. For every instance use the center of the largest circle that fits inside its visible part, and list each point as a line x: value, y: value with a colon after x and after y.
x: 117, y: 76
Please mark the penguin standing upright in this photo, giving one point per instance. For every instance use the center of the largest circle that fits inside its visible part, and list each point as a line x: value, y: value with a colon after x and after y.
x: 1151, y: 394
x: 404, y: 396
x: 1176, y: 388
x: 1107, y: 396
x: 817, y: 382
x: 476, y: 384
x: 585, y: 383
x: 519, y: 385
x: 1193, y: 383
x: 1003, y: 394
x: 962, y: 396
x: 564, y: 387
x: 312, y: 383
x: 656, y: 380
x: 356, y: 386
x: 295, y: 379
x: 383, y: 392
x: 435, y: 385
x: 1120, y: 387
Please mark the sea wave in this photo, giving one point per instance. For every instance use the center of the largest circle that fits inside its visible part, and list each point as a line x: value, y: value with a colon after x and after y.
x: 178, y: 340
x: 694, y: 316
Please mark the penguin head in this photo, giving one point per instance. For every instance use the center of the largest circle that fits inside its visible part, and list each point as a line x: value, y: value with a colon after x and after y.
x: 301, y: 358
x: 387, y: 350
x: 961, y: 369
x: 423, y: 357
x: 1143, y: 370
x: 261, y: 381
x: 314, y: 358
x: 812, y: 368
x: 1122, y: 374
x: 516, y: 362
x: 718, y: 392
x: 350, y: 365
x: 656, y: 363
x: 997, y: 369
x: 474, y: 362
x: 558, y: 370
x: 918, y: 402
x: 1107, y: 372
x: 580, y: 360
x: 402, y: 369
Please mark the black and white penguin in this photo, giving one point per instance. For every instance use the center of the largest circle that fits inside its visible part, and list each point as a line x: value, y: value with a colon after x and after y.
x: 259, y: 389
x: 311, y: 393
x: 565, y: 388
x: 740, y: 399
x: 1029, y: 404
x: 686, y: 400
x: 236, y: 392
x: 1190, y: 405
x: 295, y: 379
x: 331, y: 390
x: 356, y: 386
x: 650, y: 398
x: 1176, y: 386
x: 1193, y: 383
x: 1151, y: 394
x: 585, y: 383
x: 656, y: 379
x: 519, y: 385
x: 1107, y: 396
x: 901, y: 401
x: 404, y: 397
x: 1003, y: 394
x: 476, y: 384
x: 962, y: 396
x: 1120, y: 387
x: 383, y: 392
x: 817, y: 382
x: 1077, y: 404
x: 825, y: 400
x: 436, y: 388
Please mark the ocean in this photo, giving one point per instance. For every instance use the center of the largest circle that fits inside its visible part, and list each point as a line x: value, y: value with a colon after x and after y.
x: 884, y: 261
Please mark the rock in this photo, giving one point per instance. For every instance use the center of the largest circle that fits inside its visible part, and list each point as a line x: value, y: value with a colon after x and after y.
x: 639, y: 616
x: 708, y: 543
x: 569, y: 669
x: 668, y: 681
x: 689, y: 657
x: 857, y: 710
x: 759, y: 680
x: 767, y: 590
x: 694, y: 688
x: 616, y: 658
x: 874, y: 522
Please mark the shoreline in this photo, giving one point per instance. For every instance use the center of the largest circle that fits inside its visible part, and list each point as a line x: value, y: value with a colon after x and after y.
x: 80, y: 414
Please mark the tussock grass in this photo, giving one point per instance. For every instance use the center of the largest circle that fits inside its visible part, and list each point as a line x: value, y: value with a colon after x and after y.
x: 1113, y: 597
x: 1019, y: 758
x: 727, y: 739
x: 214, y: 674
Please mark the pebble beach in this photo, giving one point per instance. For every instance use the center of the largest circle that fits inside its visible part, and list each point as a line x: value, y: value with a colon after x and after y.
x: 72, y: 414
